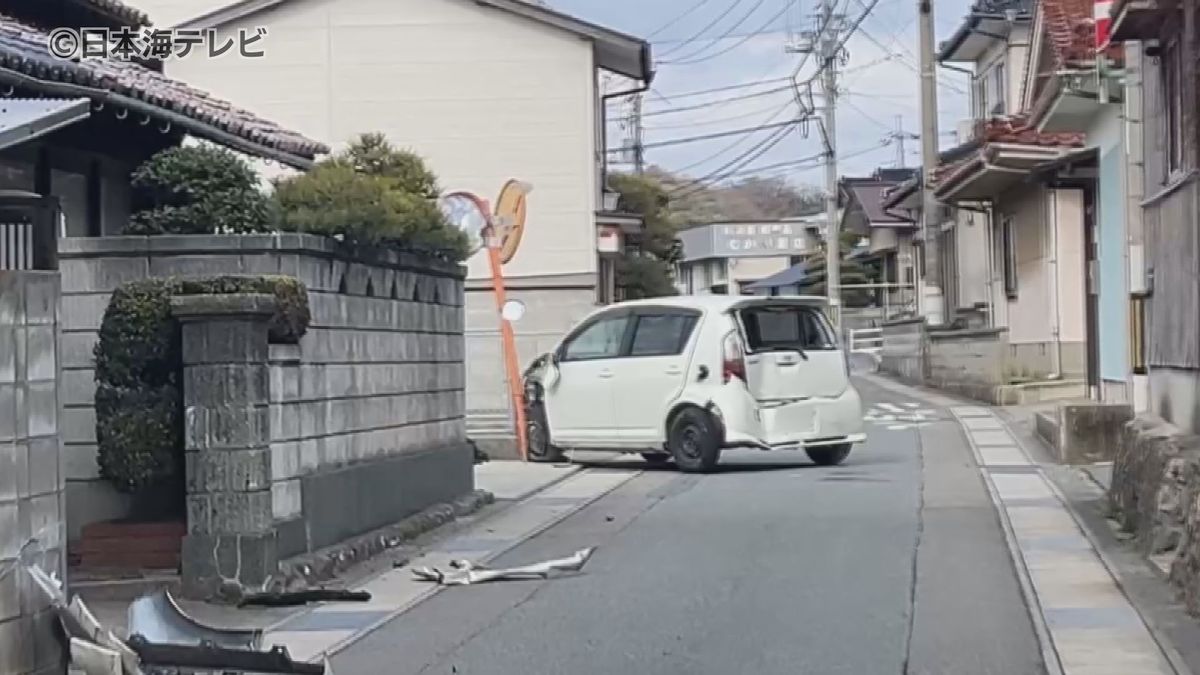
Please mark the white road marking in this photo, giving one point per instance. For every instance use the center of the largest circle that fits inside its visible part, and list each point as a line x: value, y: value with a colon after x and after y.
x: 891, y: 407
x: 912, y: 405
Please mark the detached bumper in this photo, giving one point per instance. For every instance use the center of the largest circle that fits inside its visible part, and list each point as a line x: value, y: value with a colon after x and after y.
x: 803, y: 424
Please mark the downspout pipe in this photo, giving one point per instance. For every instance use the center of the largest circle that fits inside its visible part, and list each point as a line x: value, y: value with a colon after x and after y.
x: 1055, y: 294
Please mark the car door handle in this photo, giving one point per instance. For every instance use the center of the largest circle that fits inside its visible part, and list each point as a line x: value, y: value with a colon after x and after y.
x: 673, y: 371
x: 606, y: 374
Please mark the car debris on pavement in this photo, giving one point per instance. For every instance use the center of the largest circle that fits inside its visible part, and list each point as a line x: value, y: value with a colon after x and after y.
x: 163, y: 640
x: 465, y: 572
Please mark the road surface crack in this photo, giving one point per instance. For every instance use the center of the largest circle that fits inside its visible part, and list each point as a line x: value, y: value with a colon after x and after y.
x: 916, y: 551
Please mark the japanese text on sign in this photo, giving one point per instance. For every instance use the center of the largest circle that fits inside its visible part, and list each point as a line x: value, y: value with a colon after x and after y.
x: 159, y: 44
x: 765, y: 237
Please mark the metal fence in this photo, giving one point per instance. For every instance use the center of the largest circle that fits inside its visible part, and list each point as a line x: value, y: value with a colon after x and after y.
x: 28, y: 231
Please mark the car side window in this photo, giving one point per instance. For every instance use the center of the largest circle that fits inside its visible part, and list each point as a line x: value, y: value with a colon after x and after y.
x: 661, y: 334
x: 601, y: 340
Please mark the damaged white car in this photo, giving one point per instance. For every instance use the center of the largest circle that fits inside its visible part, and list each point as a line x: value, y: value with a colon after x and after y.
x: 685, y: 377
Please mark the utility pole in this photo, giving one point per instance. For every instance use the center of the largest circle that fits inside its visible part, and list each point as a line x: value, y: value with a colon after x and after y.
x: 639, y: 153
x: 833, y: 247
x: 931, y: 223
x: 901, y: 161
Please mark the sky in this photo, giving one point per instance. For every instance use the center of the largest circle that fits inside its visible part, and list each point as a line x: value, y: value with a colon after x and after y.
x: 742, y: 42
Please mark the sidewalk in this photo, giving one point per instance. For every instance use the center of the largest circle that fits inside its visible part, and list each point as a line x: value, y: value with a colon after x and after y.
x: 510, y: 482
x: 1084, y: 619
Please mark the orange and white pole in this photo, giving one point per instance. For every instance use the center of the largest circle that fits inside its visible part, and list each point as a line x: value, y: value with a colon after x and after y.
x: 508, y: 339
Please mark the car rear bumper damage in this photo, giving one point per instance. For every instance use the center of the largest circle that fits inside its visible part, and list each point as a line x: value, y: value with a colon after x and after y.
x: 794, y: 425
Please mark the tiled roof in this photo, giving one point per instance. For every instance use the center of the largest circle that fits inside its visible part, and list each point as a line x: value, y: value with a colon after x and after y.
x: 130, y: 16
x: 1016, y: 129
x: 1013, y: 130
x: 25, y: 62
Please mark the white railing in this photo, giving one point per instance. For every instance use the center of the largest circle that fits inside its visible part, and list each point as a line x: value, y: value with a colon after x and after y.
x: 866, y: 340
x: 16, y: 246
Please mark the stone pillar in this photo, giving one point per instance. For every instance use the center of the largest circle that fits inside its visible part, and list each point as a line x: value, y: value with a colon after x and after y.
x: 231, y: 539
x: 32, y: 528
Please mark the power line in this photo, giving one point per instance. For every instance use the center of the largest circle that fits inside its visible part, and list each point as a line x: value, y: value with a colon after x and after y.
x: 761, y: 31
x: 746, y: 85
x: 742, y: 160
x: 701, y: 106
x: 724, y: 35
x: 701, y: 32
x: 736, y: 143
x: 730, y: 36
x: 681, y: 17
x: 810, y: 162
x: 708, y: 137
x: 717, y: 120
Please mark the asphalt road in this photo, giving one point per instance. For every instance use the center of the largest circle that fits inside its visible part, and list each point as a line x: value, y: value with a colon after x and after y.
x: 892, y: 563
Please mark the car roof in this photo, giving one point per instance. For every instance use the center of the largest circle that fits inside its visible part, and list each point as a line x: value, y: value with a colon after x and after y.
x: 719, y: 303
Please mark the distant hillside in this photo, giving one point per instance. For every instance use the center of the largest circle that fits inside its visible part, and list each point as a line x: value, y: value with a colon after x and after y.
x: 751, y: 198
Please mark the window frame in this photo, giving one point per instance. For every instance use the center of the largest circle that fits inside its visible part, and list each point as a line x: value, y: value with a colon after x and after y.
x: 560, y: 353
x: 1171, y: 69
x: 637, y: 314
x: 1008, y: 248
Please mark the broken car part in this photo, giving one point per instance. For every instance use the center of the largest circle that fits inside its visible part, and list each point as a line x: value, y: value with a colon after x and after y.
x: 219, y: 659
x: 92, y: 659
x: 465, y: 572
x: 159, y: 619
x: 294, y: 598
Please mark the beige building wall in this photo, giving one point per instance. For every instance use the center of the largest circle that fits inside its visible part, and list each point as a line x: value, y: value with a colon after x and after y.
x: 1046, y: 320
x: 482, y: 95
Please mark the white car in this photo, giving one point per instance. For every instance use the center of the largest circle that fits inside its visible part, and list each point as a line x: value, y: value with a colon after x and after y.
x: 685, y: 377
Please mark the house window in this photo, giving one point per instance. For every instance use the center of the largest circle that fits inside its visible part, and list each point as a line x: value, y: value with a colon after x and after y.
x: 1172, y: 67
x: 1008, y: 248
x: 998, y: 88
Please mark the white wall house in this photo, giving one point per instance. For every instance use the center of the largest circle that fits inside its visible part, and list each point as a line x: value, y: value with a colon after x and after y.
x: 485, y: 91
x: 1020, y: 196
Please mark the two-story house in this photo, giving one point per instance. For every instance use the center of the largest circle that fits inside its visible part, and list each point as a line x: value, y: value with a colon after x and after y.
x: 486, y: 91
x: 1032, y: 191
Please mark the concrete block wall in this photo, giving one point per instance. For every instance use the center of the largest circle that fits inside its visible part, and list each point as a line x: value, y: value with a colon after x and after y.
x: 967, y: 358
x: 903, y: 351
x: 31, y: 476
x: 382, y: 323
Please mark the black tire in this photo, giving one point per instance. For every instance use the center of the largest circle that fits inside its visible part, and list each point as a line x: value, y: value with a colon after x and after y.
x: 537, y: 436
x: 829, y: 455
x: 656, y: 458
x: 693, y: 441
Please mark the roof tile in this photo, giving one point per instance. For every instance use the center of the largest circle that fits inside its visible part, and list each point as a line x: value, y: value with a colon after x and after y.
x: 23, y: 50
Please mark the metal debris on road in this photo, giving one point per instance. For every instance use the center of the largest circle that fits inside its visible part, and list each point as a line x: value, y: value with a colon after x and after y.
x: 465, y: 572
x: 296, y: 598
x: 159, y: 619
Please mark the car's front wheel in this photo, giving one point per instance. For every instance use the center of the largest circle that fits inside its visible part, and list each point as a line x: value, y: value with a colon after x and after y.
x: 693, y: 441
x: 830, y: 455
x: 537, y: 436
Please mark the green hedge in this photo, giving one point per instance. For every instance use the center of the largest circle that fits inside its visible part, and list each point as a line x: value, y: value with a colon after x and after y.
x: 197, y: 190
x: 139, y: 402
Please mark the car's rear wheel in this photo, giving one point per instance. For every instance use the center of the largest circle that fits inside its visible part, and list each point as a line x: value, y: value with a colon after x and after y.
x: 693, y: 441
x: 830, y: 455
x: 537, y: 436
x: 656, y: 458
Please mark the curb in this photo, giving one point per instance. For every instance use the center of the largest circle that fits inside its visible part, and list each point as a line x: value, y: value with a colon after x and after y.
x: 1033, y: 605
x: 1174, y: 658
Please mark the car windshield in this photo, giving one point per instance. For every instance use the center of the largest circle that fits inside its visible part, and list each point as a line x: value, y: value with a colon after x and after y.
x: 786, y: 327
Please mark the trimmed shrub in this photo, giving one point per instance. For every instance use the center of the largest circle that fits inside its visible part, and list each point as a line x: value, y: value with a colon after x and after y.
x: 139, y: 399
x: 370, y: 194
x: 197, y: 190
